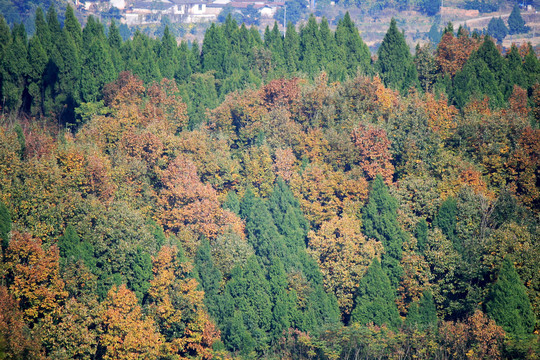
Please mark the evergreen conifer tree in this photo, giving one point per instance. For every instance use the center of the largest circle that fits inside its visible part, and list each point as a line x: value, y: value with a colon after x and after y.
x: 15, y: 68
x: 288, y: 216
x: 247, y: 294
x: 421, y: 233
x: 53, y: 23
x: 283, y: 301
x: 37, y: 59
x: 516, y: 24
x: 310, y: 47
x: 209, y: 277
x: 73, y: 27
x: 474, y: 81
x: 143, y: 60
x: 72, y: 249
x: 167, y: 57
x: 446, y: 220
x: 375, y: 299
x: 183, y: 70
x: 356, y: 53
x: 5, y: 226
x: 531, y: 65
x: 328, y: 42
x: 42, y: 31
x: 379, y: 220
x: 263, y: 234
x: 115, y: 46
x: 195, y: 58
x: 497, y: 29
x: 214, y: 50
x: 423, y: 313
x: 395, y: 64
x: 508, y: 304
x: 97, y: 70
x: 515, y: 75
x: 291, y: 48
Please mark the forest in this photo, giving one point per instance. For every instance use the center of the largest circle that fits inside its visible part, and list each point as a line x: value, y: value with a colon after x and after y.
x: 267, y: 195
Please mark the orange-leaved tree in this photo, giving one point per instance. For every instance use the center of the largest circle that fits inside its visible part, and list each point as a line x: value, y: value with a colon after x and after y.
x: 33, y: 276
x: 374, y: 155
x: 127, y: 334
x: 186, y: 202
x: 178, y: 308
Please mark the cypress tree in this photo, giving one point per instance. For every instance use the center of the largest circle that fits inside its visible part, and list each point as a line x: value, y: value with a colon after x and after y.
x: 379, y: 220
x: 73, y: 27
x: 244, y: 45
x: 284, y: 302
x: 375, y: 299
x: 93, y: 29
x: 73, y: 249
x: 248, y: 292
x: 5, y: 34
x: 115, y: 45
x: 446, y: 220
x: 232, y: 202
x: 183, y: 70
x: 516, y: 24
x: 476, y: 79
x: 167, y: 55
x: 274, y: 42
x: 37, y: 58
x: 488, y: 53
x: 43, y: 32
x: 15, y: 69
x: 209, y: 277
x: 202, y: 95
x: 236, y: 335
x: 291, y: 48
x: 531, y: 65
x: 288, y: 216
x: 497, y: 29
x: 357, y: 55
x: 328, y: 42
x: 214, y: 50
x: 53, y: 23
x: 423, y: 313
x: 395, y: 64
x: 195, y: 58
x: 255, y: 36
x: 143, y: 60
x: 97, y: 70
x: 514, y: 73
x: 508, y: 304
x: 421, y: 234
x: 262, y: 233
x: 5, y: 226
x: 310, y: 47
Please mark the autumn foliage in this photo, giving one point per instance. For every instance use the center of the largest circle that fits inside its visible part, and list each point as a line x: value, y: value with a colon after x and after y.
x: 272, y: 198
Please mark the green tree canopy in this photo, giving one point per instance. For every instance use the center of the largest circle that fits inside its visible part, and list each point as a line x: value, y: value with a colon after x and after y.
x: 508, y: 304
x: 379, y: 220
x: 375, y: 299
x: 395, y: 64
x: 497, y: 29
x: 516, y: 24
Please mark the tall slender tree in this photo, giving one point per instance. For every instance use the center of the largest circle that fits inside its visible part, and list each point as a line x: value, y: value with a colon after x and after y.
x: 395, y: 65
x: 375, y: 299
x: 379, y: 220
x: 508, y: 304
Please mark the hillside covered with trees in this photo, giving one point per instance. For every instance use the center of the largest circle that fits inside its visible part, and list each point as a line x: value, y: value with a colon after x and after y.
x: 267, y: 196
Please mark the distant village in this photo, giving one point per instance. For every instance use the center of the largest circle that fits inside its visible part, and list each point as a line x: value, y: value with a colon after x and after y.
x: 138, y: 12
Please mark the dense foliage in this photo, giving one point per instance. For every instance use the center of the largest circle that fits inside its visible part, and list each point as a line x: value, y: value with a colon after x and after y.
x: 274, y: 197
